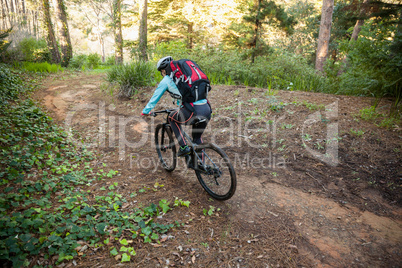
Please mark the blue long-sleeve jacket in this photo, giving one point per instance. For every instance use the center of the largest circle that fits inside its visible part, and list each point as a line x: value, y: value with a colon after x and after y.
x: 166, y: 84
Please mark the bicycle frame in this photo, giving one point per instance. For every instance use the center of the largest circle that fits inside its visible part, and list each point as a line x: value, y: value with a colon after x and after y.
x: 193, y: 146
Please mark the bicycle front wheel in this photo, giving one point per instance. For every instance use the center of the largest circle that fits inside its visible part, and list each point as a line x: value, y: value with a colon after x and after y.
x: 165, y: 147
x: 215, y: 172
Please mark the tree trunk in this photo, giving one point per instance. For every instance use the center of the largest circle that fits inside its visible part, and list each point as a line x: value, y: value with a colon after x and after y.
x: 3, y: 16
x: 360, y: 22
x: 12, y: 14
x: 36, y: 25
x: 17, y: 14
x: 324, y: 35
x: 63, y: 32
x: 100, y: 36
x: 102, y: 47
x: 257, y: 26
x: 117, y: 31
x: 34, y: 19
x: 8, y: 14
x: 50, y: 38
x: 21, y: 13
x: 30, y: 20
x: 143, y: 30
x: 355, y: 34
x: 190, y: 35
x: 25, y: 18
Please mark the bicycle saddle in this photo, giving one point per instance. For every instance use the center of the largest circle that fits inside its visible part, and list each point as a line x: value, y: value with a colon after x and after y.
x: 197, y: 120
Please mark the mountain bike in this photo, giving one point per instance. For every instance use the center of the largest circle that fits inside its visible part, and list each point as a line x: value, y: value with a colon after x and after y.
x: 210, y: 163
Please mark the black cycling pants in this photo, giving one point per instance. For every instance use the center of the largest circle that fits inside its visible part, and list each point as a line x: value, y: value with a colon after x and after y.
x: 184, y: 116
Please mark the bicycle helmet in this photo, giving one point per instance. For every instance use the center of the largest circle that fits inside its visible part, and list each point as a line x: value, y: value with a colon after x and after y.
x: 163, y: 63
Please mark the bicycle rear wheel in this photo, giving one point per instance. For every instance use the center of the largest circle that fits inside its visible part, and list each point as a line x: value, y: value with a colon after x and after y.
x: 215, y: 172
x: 165, y: 147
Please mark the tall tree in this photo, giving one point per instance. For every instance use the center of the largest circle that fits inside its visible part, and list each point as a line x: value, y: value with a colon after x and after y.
x: 324, y: 34
x: 63, y: 32
x: 8, y: 13
x: 3, y: 25
x: 178, y: 20
x: 143, y: 30
x: 50, y: 37
x: 250, y: 31
x: 118, y: 36
x: 92, y: 21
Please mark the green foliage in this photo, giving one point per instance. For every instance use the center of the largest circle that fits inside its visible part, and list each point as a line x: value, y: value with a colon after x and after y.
x: 389, y: 122
x: 357, y: 133
x: 180, y: 202
x: 130, y: 77
x: 35, y: 143
x: 44, y: 207
x: 109, y: 61
x: 177, y: 20
x: 343, y: 20
x: 93, y: 60
x: 4, y: 44
x: 370, y: 114
x: 310, y: 106
x: 39, y: 67
x: 280, y: 70
x: 78, y: 62
x: 176, y: 49
x: 34, y: 50
x: 373, y: 69
x: 10, y: 85
x: 303, y: 40
x: 210, y: 211
x: 249, y: 33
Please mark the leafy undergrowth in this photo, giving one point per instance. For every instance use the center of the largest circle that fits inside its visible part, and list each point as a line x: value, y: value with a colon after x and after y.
x: 47, y: 212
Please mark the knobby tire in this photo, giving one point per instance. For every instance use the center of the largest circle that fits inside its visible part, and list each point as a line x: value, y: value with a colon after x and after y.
x: 220, y: 187
x: 165, y: 148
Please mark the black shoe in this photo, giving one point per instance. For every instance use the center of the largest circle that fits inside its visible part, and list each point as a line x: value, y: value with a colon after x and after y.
x: 184, y: 151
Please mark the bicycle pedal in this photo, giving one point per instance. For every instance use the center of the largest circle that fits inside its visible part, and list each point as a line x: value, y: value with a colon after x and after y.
x: 184, y: 152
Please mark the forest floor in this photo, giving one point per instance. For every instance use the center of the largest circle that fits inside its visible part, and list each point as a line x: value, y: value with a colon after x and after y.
x: 317, y: 186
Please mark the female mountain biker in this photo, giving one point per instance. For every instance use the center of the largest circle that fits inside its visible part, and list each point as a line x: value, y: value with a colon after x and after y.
x: 182, y: 115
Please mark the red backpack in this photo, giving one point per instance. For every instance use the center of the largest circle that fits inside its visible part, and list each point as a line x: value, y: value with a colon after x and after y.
x: 191, y: 81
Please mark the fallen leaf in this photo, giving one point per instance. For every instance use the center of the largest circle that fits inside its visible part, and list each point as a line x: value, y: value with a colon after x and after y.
x: 294, y: 247
x: 85, y: 247
x: 176, y: 254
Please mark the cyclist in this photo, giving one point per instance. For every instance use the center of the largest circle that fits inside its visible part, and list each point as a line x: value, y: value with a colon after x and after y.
x: 183, y: 115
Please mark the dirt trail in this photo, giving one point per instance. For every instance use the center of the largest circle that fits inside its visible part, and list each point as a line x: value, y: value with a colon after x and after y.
x: 342, y: 234
x: 328, y: 233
